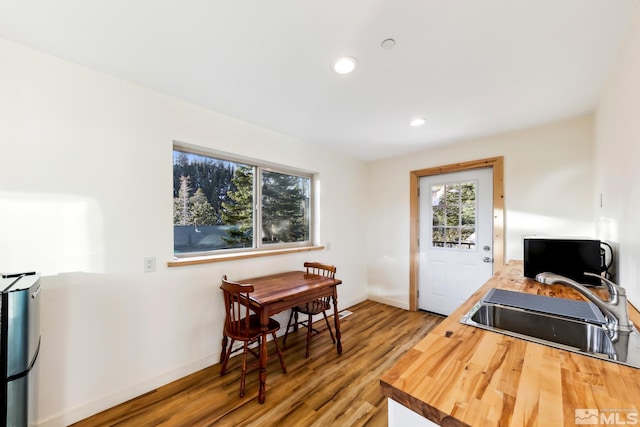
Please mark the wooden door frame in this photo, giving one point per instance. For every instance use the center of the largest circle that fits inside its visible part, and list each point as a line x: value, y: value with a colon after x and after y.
x: 497, y: 165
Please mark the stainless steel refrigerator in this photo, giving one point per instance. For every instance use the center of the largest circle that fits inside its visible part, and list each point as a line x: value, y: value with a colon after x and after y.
x: 19, y: 348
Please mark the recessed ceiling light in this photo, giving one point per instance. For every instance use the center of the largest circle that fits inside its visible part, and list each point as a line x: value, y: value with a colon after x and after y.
x: 345, y: 65
x: 417, y: 122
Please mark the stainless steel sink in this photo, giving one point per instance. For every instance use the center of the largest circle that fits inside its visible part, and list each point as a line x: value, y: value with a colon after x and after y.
x: 576, y: 335
x: 567, y: 332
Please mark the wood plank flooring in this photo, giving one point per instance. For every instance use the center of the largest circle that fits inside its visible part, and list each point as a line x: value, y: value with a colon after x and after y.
x: 324, y: 390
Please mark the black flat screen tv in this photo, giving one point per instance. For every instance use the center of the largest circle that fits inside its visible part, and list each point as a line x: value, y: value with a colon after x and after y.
x: 565, y: 256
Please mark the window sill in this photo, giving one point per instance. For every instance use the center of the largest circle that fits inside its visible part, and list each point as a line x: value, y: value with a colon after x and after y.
x: 235, y: 256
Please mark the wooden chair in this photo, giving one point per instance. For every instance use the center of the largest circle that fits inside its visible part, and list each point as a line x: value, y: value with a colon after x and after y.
x: 241, y: 325
x: 312, y: 308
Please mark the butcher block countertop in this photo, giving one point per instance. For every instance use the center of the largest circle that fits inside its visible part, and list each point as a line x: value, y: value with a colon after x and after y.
x: 459, y: 375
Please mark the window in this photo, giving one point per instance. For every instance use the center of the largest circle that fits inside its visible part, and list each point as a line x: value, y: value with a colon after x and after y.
x: 215, y: 209
x: 454, y: 215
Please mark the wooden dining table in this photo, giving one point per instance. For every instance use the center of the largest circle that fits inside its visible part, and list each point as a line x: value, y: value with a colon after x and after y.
x: 278, y: 292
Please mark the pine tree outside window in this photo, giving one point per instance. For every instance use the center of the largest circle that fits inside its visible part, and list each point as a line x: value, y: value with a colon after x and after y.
x: 224, y: 205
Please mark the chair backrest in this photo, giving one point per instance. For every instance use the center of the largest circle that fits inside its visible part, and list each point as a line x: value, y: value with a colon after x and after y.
x: 237, y: 313
x: 320, y: 269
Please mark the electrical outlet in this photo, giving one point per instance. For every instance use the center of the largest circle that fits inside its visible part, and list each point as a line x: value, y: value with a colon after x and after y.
x: 149, y: 264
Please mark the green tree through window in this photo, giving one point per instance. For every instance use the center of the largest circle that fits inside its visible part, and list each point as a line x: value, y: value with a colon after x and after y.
x: 285, y: 203
x: 239, y: 210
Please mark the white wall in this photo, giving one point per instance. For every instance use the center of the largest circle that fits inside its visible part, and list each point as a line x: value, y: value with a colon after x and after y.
x: 547, y: 184
x: 85, y: 195
x: 617, y: 160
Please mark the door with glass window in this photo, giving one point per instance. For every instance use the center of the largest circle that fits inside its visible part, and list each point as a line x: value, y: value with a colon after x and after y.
x: 456, y: 246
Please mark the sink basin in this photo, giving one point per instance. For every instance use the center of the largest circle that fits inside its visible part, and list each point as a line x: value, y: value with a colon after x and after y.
x: 581, y: 335
x: 576, y: 335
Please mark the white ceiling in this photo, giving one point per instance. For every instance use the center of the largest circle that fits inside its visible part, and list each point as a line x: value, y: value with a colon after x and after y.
x: 469, y: 67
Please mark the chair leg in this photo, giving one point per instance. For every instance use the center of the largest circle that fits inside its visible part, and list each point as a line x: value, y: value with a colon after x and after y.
x: 324, y: 313
x: 284, y: 341
x: 275, y: 341
x: 308, y: 335
x: 295, y: 325
x: 223, y: 368
x: 244, y: 369
x: 224, y: 347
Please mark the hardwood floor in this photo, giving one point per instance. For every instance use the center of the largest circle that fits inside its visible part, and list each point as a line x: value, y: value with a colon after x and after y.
x: 325, y: 389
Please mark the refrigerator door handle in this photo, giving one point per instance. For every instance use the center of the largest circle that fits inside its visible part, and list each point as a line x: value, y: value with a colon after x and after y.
x: 35, y: 354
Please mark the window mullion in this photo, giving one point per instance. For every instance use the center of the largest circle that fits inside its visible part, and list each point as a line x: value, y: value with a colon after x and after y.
x: 257, y: 208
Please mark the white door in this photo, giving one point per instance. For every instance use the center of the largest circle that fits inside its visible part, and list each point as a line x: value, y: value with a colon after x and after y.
x: 456, y: 237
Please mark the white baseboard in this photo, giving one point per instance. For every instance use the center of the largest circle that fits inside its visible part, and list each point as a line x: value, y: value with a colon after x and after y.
x: 342, y: 304
x: 394, y: 303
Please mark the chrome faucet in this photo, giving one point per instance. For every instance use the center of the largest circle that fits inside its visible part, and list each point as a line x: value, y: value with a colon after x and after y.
x: 614, y: 308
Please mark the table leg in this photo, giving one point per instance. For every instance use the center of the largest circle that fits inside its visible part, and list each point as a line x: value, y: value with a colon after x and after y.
x: 336, y: 319
x: 262, y: 391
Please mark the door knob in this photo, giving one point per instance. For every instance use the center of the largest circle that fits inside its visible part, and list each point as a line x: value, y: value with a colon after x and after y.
x: 486, y: 248
x: 487, y: 259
